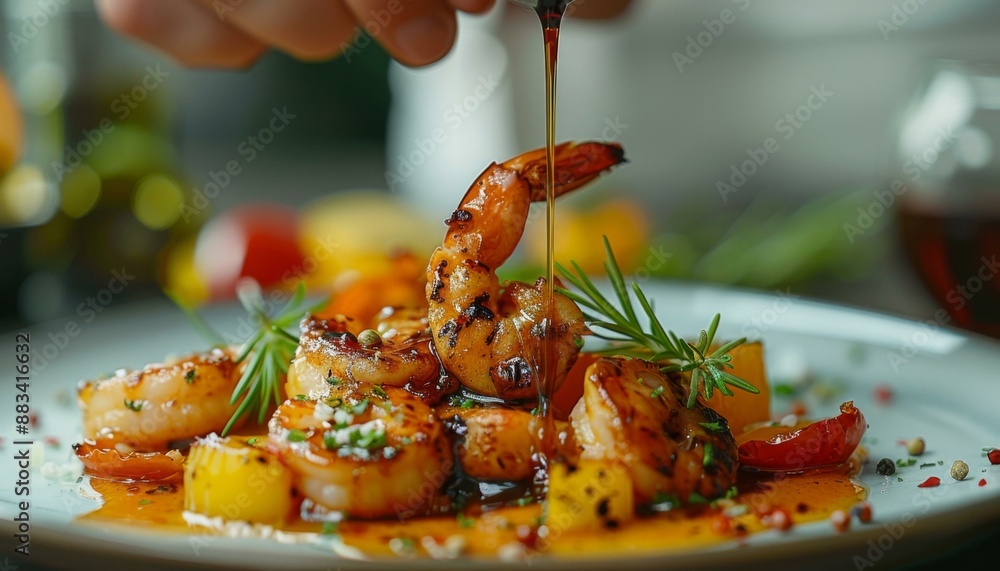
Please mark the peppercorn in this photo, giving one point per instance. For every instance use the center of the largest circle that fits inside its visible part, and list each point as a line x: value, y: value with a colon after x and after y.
x: 959, y: 470
x: 885, y: 467
x: 369, y: 338
x: 915, y: 446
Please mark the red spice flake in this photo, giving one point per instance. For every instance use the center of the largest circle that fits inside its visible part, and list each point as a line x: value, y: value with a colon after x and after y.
x: 840, y: 520
x: 721, y: 526
x: 51, y: 441
x: 863, y: 511
x: 982, y: 482
x: 528, y: 535
x: 778, y: 519
x: 931, y: 482
x: 994, y: 456
x: 32, y: 419
x: 883, y: 394
x: 798, y: 408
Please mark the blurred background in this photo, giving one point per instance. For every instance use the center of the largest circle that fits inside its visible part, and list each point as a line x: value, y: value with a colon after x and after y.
x: 843, y: 150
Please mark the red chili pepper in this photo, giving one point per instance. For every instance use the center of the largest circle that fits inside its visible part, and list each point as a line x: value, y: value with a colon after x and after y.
x: 931, y: 482
x: 825, y: 443
x: 994, y: 456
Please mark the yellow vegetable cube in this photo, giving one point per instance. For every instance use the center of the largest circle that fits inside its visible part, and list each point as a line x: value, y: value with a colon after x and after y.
x: 229, y: 478
x: 596, y: 495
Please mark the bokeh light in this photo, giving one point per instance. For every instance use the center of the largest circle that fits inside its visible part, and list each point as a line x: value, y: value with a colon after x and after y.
x: 157, y: 201
x: 25, y: 197
x: 81, y: 189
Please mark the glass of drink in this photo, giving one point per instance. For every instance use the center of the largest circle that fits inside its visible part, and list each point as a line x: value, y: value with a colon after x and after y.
x: 949, y: 201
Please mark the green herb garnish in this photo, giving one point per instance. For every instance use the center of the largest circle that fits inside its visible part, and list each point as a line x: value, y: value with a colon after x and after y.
x: 268, y: 351
x: 190, y: 375
x: 296, y: 435
x: 657, y: 392
x: 135, y: 405
x: 709, y: 456
x: 620, y: 325
x: 360, y: 408
x: 712, y: 426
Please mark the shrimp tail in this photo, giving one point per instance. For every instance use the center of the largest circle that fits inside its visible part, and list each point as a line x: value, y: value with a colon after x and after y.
x: 576, y: 164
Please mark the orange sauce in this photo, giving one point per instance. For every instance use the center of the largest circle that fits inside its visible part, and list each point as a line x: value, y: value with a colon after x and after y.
x: 806, y: 497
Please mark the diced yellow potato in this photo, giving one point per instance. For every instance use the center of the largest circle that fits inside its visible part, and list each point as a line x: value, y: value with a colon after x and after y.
x: 743, y: 408
x: 596, y: 495
x: 229, y: 478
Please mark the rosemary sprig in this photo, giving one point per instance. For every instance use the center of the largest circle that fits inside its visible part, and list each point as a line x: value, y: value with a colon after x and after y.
x: 619, y: 324
x: 268, y: 351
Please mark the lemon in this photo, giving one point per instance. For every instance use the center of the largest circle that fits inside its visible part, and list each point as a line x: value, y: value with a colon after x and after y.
x: 352, y: 233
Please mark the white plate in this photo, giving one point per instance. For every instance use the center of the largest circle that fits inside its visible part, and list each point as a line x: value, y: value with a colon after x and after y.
x: 945, y: 388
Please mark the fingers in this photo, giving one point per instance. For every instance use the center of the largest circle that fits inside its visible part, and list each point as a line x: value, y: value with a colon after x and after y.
x: 472, y: 6
x: 415, y: 32
x: 306, y: 29
x: 184, y: 29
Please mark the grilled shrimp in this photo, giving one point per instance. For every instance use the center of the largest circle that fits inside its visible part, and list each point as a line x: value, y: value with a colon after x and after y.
x: 147, y: 409
x: 485, y: 336
x: 494, y: 443
x: 632, y: 412
x: 367, y: 451
x: 399, y: 354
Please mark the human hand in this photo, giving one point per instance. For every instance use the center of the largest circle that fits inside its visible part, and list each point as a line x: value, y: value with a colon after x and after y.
x: 234, y: 33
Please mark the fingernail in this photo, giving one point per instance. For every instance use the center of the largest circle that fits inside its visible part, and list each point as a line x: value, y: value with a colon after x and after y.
x: 425, y: 39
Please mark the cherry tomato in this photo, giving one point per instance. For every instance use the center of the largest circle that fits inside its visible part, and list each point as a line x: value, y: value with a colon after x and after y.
x: 825, y: 443
x: 259, y: 241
